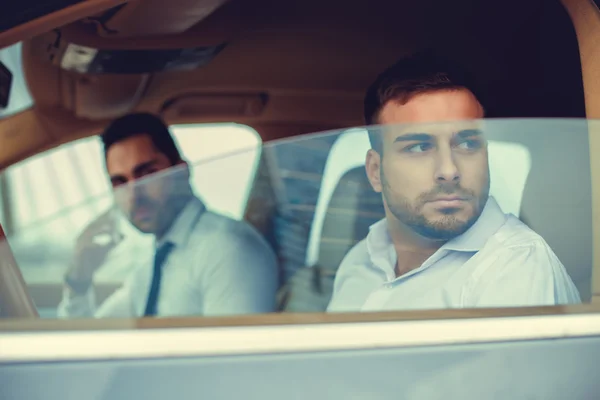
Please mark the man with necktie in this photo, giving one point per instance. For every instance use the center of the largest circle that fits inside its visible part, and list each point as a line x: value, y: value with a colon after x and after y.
x: 204, y: 263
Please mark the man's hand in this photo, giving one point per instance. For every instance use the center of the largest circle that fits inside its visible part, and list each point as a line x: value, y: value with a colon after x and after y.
x: 91, y: 250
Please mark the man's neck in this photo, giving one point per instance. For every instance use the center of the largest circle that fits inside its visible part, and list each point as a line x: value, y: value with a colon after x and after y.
x: 175, y: 209
x: 412, y: 250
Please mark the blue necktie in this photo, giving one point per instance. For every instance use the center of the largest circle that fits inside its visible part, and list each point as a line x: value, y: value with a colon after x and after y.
x: 159, y: 258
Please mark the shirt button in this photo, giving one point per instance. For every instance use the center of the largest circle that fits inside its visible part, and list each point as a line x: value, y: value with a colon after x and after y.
x: 388, y: 285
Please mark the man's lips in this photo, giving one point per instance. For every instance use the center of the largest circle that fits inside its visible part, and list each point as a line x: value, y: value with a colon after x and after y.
x: 448, y: 201
x: 142, y: 213
x: 449, y: 198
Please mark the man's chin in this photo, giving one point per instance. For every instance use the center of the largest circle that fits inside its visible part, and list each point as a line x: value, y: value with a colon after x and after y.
x: 446, y: 228
x: 438, y: 234
x: 144, y: 226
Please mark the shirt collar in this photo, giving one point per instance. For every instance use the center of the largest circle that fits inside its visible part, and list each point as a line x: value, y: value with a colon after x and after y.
x: 180, y: 230
x: 491, y: 219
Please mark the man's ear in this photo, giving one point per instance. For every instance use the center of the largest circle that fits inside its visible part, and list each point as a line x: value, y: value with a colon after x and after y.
x: 373, y: 167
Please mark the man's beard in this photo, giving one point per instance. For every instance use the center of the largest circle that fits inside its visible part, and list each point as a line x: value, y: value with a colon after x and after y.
x: 150, y: 207
x: 163, y: 212
x: 446, y: 228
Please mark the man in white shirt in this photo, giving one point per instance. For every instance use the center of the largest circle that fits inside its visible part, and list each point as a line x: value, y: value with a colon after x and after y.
x: 444, y: 243
x: 203, y: 263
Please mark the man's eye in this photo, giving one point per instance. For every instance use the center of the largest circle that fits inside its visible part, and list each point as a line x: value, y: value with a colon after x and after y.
x: 470, y: 145
x: 147, y: 172
x: 418, y: 148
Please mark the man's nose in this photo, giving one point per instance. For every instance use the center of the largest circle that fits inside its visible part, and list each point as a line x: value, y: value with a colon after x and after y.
x: 128, y: 193
x: 138, y: 192
x: 446, y: 168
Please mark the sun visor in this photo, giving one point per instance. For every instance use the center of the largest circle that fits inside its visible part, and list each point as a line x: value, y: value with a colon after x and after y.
x: 87, y: 60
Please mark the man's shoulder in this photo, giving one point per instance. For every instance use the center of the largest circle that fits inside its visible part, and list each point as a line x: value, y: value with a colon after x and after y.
x: 514, y: 233
x: 517, y: 247
x: 358, y: 255
x: 222, y: 227
x: 519, y: 257
x: 220, y: 221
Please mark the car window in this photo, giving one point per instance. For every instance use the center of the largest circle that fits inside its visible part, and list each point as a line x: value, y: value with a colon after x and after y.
x: 50, y: 197
x: 20, y: 99
x: 201, y: 143
x: 59, y: 179
x: 327, y: 205
x: 507, y: 222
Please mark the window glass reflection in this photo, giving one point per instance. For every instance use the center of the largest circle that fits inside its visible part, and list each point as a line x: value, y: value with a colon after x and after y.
x: 313, y: 202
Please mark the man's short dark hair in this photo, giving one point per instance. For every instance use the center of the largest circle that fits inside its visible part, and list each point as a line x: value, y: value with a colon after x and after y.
x: 142, y: 123
x: 419, y: 73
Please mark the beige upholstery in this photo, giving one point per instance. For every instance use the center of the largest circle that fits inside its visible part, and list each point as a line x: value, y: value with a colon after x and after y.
x: 353, y: 207
x: 586, y: 20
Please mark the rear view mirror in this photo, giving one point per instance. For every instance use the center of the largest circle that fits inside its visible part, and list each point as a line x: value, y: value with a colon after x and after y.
x: 6, y: 78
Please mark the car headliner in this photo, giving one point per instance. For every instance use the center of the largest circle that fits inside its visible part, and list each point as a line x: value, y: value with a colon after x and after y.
x: 309, y: 61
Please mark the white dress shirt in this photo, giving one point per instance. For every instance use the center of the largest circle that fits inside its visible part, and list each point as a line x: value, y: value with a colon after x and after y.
x: 218, y: 266
x: 498, y: 262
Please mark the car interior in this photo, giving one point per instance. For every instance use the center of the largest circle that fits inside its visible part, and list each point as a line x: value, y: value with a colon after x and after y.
x: 285, y: 69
